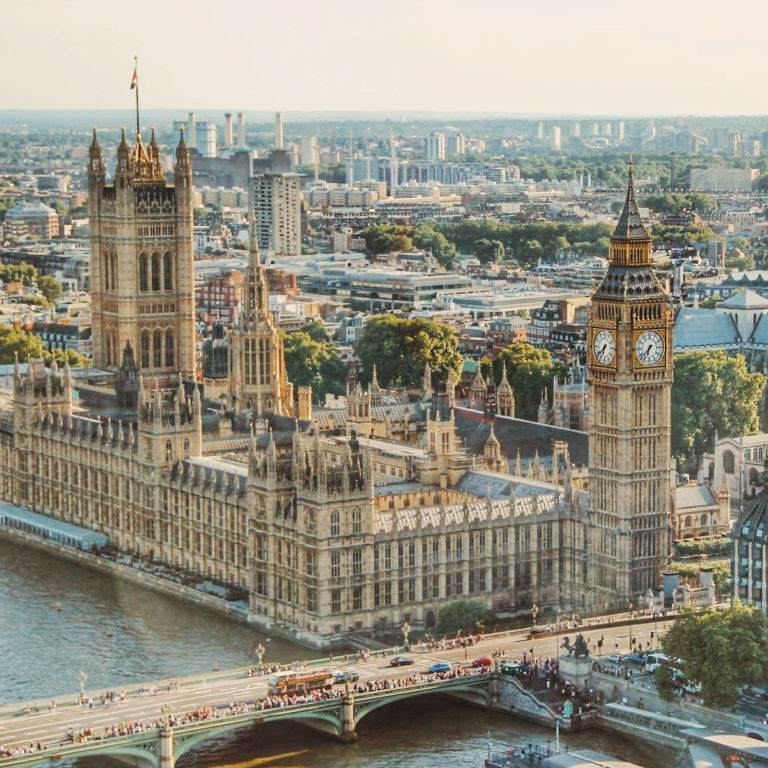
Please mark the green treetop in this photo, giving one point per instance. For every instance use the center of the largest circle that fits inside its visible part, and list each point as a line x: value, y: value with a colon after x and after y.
x: 712, y: 392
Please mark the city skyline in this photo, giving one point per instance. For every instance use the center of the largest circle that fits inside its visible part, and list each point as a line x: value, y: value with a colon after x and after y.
x: 513, y: 60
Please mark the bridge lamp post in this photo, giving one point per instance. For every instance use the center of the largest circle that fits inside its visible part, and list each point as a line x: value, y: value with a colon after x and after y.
x: 631, y: 609
x: 406, y: 632
x: 260, y: 651
x: 166, y: 710
x: 82, y: 679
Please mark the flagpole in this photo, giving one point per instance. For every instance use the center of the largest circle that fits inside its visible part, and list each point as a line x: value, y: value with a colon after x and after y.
x: 136, y: 69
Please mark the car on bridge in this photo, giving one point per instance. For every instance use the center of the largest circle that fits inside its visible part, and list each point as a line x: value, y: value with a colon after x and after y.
x: 400, y: 661
x: 341, y: 676
x: 615, y: 658
x: 441, y: 666
x: 482, y: 661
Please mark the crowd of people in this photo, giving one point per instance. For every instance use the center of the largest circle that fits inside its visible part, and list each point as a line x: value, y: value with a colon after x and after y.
x: 131, y: 727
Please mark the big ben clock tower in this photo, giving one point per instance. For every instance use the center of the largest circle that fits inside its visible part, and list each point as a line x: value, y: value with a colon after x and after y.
x: 630, y: 375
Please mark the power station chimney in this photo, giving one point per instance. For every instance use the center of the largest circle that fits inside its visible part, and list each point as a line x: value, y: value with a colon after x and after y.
x: 192, y: 137
x: 240, y: 130
x: 278, y: 130
x: 228, y: 135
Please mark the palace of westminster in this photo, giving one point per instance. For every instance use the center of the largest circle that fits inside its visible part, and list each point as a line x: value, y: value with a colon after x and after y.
x: 343, y: 521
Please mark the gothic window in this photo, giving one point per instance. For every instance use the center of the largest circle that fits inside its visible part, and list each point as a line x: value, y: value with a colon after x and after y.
x: 748, y: 455
x: 758, y: 454
x: 711, y: 471
x: 155, y: 272
x: 688, y: 521
x: 145, y: 349
x: 357, y: 524
x: 334, y: 523
x: 167, y: 272
x: 703, y: 521
x: 114, y: 271
x: 728, y: 462
x: 753, y: 475
x: 107, y: 271
x: 143, y: 271
x: 169, y: 361
x: 168, y: 451
x: 186, y: 449
x: 157, y: 349
x: 335, y: 564
x: 357, y: 562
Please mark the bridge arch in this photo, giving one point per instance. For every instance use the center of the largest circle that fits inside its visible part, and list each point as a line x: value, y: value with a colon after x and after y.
x: 92, y: 752
x: 326, y: 722
x: 475, y: 694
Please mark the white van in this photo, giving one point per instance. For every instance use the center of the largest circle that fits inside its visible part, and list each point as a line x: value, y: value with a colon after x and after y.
x: 654, y: 660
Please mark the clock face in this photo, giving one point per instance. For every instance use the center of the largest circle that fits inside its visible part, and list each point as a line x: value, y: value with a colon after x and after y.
x: 649, y: 348
x: 604, y: 347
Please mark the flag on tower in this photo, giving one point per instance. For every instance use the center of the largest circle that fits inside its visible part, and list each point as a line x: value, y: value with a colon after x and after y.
x: 135, y: 78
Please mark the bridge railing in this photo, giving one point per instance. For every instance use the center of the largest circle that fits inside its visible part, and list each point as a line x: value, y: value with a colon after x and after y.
x: 66, y: 748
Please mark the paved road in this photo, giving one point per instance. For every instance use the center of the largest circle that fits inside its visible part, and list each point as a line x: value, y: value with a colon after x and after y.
x: 49, y: 727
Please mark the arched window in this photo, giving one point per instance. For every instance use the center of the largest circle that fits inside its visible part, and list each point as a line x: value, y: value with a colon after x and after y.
x: 753, y: 475
x: 143, y: 279
x: 167, y: 272
x: 703, y: 521
x: 711, y: 471
x: 155, y: 272
x: 169, y: 362
x: 157, y: 349
x: 688, y: 521
x: 107, y: 271
x: 728, y: 462
x: 758, y: 454
x: 114, y: 271
x: 748, y: 454
x: 145, y: 349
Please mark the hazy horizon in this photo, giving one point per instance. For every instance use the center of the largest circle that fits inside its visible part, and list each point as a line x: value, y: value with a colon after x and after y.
x: 493, y: 57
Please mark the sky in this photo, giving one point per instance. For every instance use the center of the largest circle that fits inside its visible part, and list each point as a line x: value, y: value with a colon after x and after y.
x: 593, y: 57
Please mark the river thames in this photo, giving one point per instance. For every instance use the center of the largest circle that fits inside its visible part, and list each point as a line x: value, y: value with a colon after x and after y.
x: 58, y: 620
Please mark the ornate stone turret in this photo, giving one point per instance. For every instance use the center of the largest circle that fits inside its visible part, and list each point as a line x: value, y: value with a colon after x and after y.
x: 543, y: 415
x: 259, y: 384
x: 492, y: 455
x: 505, y: 397
x: 478, y: 388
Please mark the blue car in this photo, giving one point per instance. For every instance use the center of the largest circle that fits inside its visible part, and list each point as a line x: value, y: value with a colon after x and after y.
x: 441, y: 666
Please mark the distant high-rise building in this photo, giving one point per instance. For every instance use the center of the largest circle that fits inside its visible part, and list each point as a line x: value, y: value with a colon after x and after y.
x: 576, y: 130
x: 276, y: 208
x: 363, y: 169
x: 456, y: 144
x: 308, y: 150
x: 619, y: 130
x: 279, y: 130
x: 555, y: 139
x: 435, y: 145
x: 205, y: 135
x: 540, y: 131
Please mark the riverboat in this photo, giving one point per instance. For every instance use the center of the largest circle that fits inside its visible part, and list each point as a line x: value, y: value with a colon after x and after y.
x: 538, y: 756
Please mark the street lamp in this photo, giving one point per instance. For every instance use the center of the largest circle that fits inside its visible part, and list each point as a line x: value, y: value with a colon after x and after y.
x: 631, y: 609
x: 83, y: 679
x: 260, y: 651
x: 166, y: 710
x: 406, y: 633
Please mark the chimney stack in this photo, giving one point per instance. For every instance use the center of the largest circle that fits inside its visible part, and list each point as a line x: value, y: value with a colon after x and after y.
x: 192, y: 133
x: 228, y: 135
x: 278, y: 130
x: 240, y: 130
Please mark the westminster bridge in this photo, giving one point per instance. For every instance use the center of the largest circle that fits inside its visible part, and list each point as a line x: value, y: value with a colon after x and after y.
x: 165, y: 737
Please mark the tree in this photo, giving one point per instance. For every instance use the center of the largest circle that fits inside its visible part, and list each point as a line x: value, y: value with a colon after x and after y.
x: 464, y: 615
x: 721, y: 649
x: 712, y: 392
x: 316, y: 364
x: 488, y: 251
x: 529, y: 371
x: 400, y: 350
x: 316, y: 330
x: 14, y: 341
x: 387, y: 238
x: 426, y: 238
x: 62, y: 356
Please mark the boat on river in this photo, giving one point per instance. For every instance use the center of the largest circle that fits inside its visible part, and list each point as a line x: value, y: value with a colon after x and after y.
x: 539, y: 756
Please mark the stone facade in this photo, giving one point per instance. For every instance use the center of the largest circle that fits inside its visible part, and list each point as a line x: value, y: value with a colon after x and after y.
x: 335, y: 530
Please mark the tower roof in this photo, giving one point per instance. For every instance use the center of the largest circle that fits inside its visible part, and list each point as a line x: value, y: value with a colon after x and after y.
x: 630, y: 226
